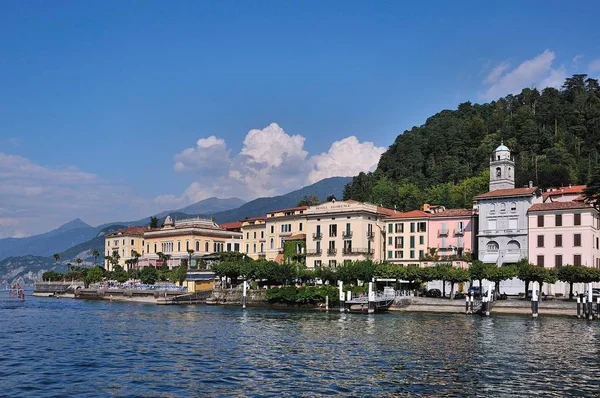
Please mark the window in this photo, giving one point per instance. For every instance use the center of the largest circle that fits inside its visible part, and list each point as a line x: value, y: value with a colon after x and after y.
x: 498, y: 170
x: 178, y: 246
x: 577, y: 240
x: 540, y: 241
x: 399, y: 227
x: 300, y: 227
x: 331, y: 245
x: 492, y: 208
x: 577, y: 259
x: 333, y: 230
x: 132, y: 242
x: 502, y: 207
x: 332, y: 263
x: 558, y: 260
x: 577, y: 219
x: 286, y: 228
x: 206, y: 247
x: 262, y: 247
x: 513, y: 206
x: 540, y: 222
x: 262, y: 234
x: 421, y: 240
x: 123, y: 242
x: 460, y: 227
x: 108, y: 243
x: 412, y: 242
x: 317, y: 263
x: 390, y: 228
x: 389, y: 253
x: 319, y: 247
x: 412, y: 254
x: 540, y: 261
x: 272, y: 229
x: 197, y: 245
x: 492, y: 246
x: 422, y: 227
x: 558, y: 220
x: 254, y: 248
x: 492, y: 225
x: 412, y: 227
x: 155, y: 248
x: 390, y: 240
x: 247, y: 235
x: 187, y: 245
x: 148, y: 248
x: 558, y: 240
x: 254, y: 235
x: 421, y: 254
x: 272, y: 244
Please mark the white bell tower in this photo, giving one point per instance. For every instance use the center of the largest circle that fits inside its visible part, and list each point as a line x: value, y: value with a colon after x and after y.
x: 502, y: 169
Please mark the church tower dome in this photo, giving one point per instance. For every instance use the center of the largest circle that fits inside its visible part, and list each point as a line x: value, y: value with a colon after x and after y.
x: 502, y: 169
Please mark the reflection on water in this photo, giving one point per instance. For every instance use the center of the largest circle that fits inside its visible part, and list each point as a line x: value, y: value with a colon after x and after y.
x: 53, y: 347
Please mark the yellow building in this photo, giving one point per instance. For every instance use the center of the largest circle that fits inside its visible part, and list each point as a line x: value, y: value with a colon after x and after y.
x: 407, y: 237
x: 253, y: 235
x: 280, y: 225
x: 341, y: 231
x: 189, y: 238
x: 126, y: 243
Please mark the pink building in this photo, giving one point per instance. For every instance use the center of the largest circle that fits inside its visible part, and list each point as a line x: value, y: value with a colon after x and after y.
x: 564, y: 233
x: 451, y: 234
x: 564, y: 194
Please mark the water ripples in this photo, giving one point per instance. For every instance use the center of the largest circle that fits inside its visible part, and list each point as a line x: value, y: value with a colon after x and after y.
x: 95, y: 348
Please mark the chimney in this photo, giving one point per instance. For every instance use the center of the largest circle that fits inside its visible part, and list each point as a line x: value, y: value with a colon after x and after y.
x: 530, y: 184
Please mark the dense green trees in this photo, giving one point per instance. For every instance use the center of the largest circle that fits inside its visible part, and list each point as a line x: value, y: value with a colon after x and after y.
x: 554, y: 135
x: 310, y: 200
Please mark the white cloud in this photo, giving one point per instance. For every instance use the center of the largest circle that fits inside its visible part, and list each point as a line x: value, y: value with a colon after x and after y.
x: 36, y: 199
x: 535, y: 72
x: 346, y: 157
x: 594, y: 66
x: 210, y: 154
x: 271, y: 162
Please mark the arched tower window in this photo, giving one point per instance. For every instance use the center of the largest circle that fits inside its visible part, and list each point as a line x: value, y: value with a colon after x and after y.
x: 498, y: 171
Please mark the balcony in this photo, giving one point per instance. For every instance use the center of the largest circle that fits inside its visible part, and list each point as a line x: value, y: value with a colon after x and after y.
x: 399, y: 246
x: 262, y: 254
x: 443, y: 232
x: 331, y: 252
x: 347, y: 234
x: 358, y: 251
x: 317, y: 235
x: 370, y: 234
x: 459, y: 232
x: 313, y: 252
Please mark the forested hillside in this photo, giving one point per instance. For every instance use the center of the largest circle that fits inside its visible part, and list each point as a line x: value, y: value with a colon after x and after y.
x: 554, y: 136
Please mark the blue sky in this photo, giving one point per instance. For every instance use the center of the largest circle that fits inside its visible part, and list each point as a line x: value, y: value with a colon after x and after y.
x: 102, y: 104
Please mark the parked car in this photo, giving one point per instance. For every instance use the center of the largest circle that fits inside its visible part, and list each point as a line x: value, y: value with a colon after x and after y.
x: 459, y: 295
x: 434, y: 293
x: 476, y: 290
x: 595, y: 294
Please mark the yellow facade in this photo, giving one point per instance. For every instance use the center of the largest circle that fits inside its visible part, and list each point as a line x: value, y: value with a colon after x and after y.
x: 254, y: 237
x: 182, y: 239
x: 407, y: 237
x: 282, y: 224
x: 126, y: 243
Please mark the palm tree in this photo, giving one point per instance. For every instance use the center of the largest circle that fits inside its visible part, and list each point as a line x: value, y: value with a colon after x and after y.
x: 115, y: 258
x: 78, y: 261
x: 108, y: 260
x: 161, y: 257
x: 96, y: 254
x: 56, y: 257
x: 136, y: 258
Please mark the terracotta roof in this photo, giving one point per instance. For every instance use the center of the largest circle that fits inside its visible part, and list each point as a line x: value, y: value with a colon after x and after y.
x: 290, y: 209
x: 385, y: 211
x: 574, y: 189
x: 411, y: 214
x: 507, y: 192
x: 231, y: 225
x: 279, y: 258
x: 297, y: 236
x: 137, y: 231
x: 350, y: 201
x: 453, y: 213
x: 261, y: 218
x: 559, y: 206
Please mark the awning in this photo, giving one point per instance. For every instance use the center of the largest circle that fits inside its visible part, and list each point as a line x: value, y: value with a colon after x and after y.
x: 490, y: 258
x: 511, y: 258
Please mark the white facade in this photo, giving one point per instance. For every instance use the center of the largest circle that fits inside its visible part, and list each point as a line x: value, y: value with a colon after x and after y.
x: 502, y: 169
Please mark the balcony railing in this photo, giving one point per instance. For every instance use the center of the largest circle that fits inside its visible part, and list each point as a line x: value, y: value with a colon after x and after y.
x: 356, y: 251
x: 331, y: 252
x: 262, y: 254
x: 459, y: 232
x: 399, y: 246
x: 332, y: 234
x: 347, y: 234
x: 370, y: 234
x: 317, y: 235
x: 313, y: 252
x: 443, y: 232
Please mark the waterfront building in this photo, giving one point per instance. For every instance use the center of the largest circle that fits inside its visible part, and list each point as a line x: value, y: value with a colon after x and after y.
x: 564, y: 194
x: 564, y: 233
x: 407, y: 237
x: 502, y: 213
x: 280, y: 225
x: 344, y: 231
x: 451, y: 236
x: 128, y: 243
x: 254, y: 237
x: 192, y: 238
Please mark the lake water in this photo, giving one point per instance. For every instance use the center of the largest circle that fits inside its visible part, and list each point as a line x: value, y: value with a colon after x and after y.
x: 58, y: 347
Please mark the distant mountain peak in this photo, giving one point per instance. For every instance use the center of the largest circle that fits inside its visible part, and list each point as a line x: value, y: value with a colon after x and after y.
x: 73, y: 224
